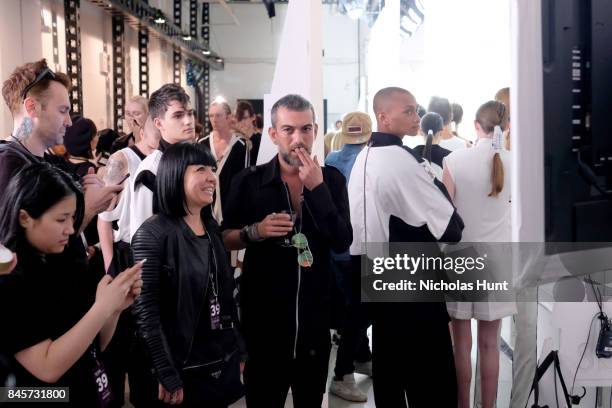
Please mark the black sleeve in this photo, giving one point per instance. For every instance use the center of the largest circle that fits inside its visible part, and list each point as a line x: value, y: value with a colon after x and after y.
x: 10, y: 164
x: 454, y: 230
x: 22, y: 313
x: 146, y: 244
x: 256, y: 142
x: 330, y: 208
x: 237, y: 207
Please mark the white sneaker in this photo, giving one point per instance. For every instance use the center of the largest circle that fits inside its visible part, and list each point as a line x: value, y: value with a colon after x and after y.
x: 347, y: 389
x: 364, y: 368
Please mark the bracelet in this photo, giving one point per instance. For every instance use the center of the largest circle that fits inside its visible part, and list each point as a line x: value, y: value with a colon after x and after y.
x: 253, y: 233
x: 250, y: 234
x: 244, y: 236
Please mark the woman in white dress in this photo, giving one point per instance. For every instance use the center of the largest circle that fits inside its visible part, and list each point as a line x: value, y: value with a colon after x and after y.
x: 478, y: 180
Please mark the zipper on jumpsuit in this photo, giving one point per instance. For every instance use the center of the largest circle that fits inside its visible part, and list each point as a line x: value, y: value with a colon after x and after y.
x: 297, y: 304
x: 297, y: 292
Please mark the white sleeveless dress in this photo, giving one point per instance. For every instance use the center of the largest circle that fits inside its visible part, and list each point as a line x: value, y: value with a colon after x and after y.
x: 487, y: 219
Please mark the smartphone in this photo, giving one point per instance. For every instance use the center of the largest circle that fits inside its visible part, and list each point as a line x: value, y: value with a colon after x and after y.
x: 123, y: 179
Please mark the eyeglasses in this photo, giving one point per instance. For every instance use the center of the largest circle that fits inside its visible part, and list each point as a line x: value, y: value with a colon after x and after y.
x: 305, y: 258
x: 45, y: 74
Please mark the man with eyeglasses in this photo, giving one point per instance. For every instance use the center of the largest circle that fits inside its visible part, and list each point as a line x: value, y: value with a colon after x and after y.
x: 395, y: 198
x: 288, y: 214
x: 38, y: 100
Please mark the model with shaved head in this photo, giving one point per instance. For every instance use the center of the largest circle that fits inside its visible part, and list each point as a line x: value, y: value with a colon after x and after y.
x: 396, y: 112
x: 412, y: 356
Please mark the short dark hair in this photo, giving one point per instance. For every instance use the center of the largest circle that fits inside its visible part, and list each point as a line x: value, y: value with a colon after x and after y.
x: 292, y: 102
x: 242, y: 108
x: 457, y: 113
x: 442, y: 107
x: 35, y: 188
x: 161, y: 99
x: 432, y: 121
x: 421, y: 111
x: 171, y: 174
x: 258, y: 121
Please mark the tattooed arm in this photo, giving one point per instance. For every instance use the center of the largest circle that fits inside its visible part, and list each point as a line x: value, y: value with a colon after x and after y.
x: 105, y: 229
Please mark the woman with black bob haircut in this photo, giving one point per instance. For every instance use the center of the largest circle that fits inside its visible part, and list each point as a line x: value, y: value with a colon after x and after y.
x: 186, y: 313
x: 62, y: 316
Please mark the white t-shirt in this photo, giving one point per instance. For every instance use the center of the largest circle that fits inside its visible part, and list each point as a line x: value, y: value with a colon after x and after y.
x: 487, y: 219
x: 452, y: 144
x: 121, y: 213
x: 142, y: 198
x: 413, y: 141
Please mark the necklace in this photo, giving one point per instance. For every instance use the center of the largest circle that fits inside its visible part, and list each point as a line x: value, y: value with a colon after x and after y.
x: 214, y: 282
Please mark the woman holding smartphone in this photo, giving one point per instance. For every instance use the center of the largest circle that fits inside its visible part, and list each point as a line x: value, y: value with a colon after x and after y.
x: 62, y: 316
x: 186, y: 313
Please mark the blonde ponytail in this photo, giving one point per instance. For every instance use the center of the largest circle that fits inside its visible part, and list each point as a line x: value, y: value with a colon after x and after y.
x: 491, y: 117
x: 497, y: 176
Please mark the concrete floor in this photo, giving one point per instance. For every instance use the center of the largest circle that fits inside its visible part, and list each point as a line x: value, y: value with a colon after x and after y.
x: 365, y: 384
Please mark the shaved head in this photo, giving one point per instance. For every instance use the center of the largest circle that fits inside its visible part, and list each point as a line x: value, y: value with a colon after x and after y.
x: 151, y: 129
x: 396, y: 112
x: 383, y: 98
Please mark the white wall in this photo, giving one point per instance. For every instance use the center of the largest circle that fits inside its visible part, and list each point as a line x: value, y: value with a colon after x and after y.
x: 96, y: 54
x: 250, y: 52
x: 19, y: 43
x: 132, y: 67
x: 24, y: 38
x: 340, y: 64
x: 463, y: 51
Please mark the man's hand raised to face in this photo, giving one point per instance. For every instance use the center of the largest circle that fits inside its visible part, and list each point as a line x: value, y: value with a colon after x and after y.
x: 310, y: 172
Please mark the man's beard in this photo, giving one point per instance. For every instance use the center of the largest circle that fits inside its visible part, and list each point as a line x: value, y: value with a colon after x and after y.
x: 293, y: 161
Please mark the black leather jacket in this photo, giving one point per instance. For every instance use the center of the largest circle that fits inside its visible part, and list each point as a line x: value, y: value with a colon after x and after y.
x: 174, y: 291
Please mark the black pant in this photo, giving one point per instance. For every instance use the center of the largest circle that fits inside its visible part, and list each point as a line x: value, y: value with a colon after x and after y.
x: 412, y: 358
x: 144, y: 387
x: 118, y: 356
x: 354, y: 343
x: 119, y: 352
x: 267, y: 379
